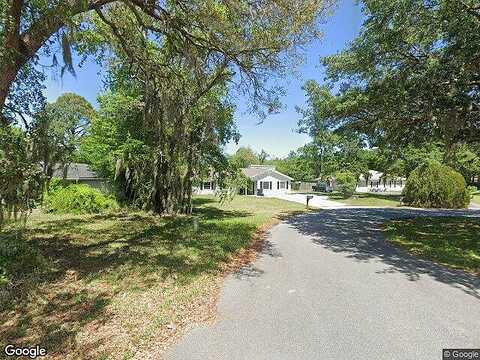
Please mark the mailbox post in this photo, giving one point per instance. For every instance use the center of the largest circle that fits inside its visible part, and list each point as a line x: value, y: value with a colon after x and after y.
x: 309, y: 197
x: 195, y: 224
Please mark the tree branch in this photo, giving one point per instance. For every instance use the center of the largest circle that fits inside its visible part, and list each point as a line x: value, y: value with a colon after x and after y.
x: 472, y: 10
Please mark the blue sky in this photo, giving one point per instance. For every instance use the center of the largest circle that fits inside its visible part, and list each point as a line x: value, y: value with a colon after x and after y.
x: 276, y: 135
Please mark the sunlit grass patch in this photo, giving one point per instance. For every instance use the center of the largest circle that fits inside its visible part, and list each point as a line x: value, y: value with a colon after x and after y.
x: 368, y: 199
x: 476, y: 199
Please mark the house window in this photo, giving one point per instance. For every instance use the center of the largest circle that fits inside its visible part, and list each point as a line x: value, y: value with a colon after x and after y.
x: 265, y: 185
x: 282, y: 185
x: 207, y: 185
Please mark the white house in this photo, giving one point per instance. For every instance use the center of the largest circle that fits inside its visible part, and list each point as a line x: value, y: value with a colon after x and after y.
x: 377, y: 182
x: 265, y: 180
x: 207, y: 186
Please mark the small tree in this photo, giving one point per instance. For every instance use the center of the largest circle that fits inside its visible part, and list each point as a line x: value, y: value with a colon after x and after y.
x: 433, y: 185
x: 244, y: 157
x: 230, y: 185
x: 58, y: 129
x: 263, y: 156
x: 21, y: 179
x: 347, y: 183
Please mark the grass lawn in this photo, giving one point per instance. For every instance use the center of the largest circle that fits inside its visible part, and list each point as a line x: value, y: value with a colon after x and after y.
x: 367, y: 199
x: 476, y: 199
x: 452, y: 241
x: 121, y: 285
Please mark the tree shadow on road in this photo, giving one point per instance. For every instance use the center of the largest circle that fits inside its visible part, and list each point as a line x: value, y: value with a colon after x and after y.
x: 357, y: 233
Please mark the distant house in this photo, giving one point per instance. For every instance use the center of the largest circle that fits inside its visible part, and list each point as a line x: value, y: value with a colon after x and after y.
x: 77, y: 173
x: 378, y: 182
x: 265, y: 180
x: 206, y: 186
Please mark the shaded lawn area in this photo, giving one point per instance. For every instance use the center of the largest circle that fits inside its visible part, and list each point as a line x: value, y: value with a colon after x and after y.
x: 120, y: 285
x: 367, y: 199
x: 451, y: 241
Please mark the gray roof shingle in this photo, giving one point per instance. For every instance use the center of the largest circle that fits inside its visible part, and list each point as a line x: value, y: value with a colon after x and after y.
x: 76, y: 171
x: 256, y: 172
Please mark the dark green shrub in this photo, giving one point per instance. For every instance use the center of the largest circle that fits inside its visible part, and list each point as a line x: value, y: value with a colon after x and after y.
x: 433, y: 185
x: 346, y: 183
x: 55, y: 184
x: 78, y: 199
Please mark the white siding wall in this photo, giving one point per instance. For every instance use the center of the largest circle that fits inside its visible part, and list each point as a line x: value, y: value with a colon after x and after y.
x: 275, y: 190
x: 197, y: 191
x: 390, y: 185
x: 200, y: 190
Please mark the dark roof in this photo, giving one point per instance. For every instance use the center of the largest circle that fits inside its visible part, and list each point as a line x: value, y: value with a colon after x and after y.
x: 257, y: 172
x: 76, y: 171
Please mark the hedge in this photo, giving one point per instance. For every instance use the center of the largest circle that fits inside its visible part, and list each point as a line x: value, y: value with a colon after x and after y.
x: 433, y: 185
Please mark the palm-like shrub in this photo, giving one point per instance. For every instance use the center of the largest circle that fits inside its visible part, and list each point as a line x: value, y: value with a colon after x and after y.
x: 433, y: 185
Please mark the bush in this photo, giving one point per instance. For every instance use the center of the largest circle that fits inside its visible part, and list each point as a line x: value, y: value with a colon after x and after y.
x: 55, y: 184
x: 78, y: 199
x: 433, y: 185
x: 346, y: 182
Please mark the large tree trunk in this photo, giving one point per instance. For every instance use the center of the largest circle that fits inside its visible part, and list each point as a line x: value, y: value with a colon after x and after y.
x: 172, y: 186
x: 10, y: 52
x: 187, y: 182
x: 7, y: 76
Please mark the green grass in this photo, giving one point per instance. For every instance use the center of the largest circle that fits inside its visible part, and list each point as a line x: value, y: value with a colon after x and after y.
x: 476, y: 198
x: 367, y: 199
x: 93, y: 286
x: 452, y: 241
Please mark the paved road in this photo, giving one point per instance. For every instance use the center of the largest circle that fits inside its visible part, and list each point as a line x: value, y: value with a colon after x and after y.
x: 328, y: 287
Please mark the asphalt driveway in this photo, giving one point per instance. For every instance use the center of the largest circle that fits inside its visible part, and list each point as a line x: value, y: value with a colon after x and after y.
x: 327, y: 286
